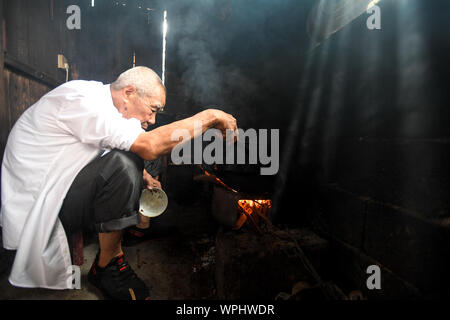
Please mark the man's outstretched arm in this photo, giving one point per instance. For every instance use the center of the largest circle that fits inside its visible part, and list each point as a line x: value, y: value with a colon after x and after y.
x: 153, y: 144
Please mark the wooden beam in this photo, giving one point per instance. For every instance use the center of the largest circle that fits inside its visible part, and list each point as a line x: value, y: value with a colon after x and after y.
x: 14, y: 64
x: 52, y: 10
x: 4, y: 112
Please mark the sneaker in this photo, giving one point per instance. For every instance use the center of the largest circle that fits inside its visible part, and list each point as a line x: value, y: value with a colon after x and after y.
x: 117, y: 281
x: 134, y: 235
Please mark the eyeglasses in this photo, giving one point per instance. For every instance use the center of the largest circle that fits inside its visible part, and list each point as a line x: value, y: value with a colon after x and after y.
x: 158, y: 108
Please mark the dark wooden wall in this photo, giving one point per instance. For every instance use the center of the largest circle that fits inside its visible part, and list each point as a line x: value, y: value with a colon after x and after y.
x: 21, y: 92
x: 4, y: 114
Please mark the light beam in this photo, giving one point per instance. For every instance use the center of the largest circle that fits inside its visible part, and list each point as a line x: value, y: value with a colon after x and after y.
x: 165, y: 27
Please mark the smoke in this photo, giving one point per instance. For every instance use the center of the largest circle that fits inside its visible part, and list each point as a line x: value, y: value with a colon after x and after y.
x: 208, y: 78
x: 202, y: 79
x: 228, y: 54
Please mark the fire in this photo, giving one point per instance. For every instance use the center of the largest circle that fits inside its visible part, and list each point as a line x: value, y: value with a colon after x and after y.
x: 248, y: 207
x: 245, y: 207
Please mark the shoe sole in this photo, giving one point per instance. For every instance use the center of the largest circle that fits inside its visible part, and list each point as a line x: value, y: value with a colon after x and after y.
x: 105, y: 295
x: 98, y: 290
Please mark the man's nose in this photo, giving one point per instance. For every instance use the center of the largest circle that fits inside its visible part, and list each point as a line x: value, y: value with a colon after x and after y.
x: 152, y: 120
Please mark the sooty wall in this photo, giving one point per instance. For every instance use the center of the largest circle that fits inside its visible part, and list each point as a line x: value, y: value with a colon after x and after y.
x: 371, y: 140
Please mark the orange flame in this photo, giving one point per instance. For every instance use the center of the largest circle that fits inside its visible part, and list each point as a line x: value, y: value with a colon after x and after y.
x: 249, y: 206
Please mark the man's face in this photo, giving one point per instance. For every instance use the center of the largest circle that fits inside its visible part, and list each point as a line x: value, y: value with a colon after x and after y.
x: 145, y: 108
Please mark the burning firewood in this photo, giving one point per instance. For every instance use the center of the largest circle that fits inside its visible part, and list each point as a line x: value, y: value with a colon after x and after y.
x: 254, y: 210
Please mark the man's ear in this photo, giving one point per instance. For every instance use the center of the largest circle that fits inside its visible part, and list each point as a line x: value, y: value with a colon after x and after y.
x: 129, y: 91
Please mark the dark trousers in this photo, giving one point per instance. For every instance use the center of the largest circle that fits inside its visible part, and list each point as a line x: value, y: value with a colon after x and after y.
x: 105, y: 195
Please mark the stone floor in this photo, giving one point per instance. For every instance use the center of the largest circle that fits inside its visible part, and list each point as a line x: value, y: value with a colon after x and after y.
x: 172, y: 268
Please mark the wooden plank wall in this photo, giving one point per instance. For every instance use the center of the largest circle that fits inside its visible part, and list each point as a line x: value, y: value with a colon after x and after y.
x: 33, y: 34
x: 31, y: 38
x: 36, y: 32
x: 4, y: 115
x: 22, y: 93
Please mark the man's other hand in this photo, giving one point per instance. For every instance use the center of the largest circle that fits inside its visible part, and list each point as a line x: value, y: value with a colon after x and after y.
x: 150, y: 182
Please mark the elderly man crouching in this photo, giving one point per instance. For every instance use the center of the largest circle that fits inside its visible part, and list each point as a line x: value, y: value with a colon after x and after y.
x: 74, y: 160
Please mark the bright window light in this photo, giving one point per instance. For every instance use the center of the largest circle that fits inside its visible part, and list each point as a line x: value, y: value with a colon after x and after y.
x: 372, y: 3
x: 165, y: 27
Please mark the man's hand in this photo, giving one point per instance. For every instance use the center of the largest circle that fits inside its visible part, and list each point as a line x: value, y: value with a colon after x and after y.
x: 224, y: 122
x: 150, y: 182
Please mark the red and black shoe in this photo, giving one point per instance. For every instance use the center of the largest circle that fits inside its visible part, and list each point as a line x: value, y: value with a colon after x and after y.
x: 117, y: 281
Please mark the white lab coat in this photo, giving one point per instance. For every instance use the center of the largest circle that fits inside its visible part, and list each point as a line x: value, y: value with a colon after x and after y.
x: 47, y: 147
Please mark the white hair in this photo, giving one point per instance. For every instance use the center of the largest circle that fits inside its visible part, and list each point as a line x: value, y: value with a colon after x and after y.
x: 145, y: 80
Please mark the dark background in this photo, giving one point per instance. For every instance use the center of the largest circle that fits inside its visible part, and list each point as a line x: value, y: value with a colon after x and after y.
x: 363, y: 114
